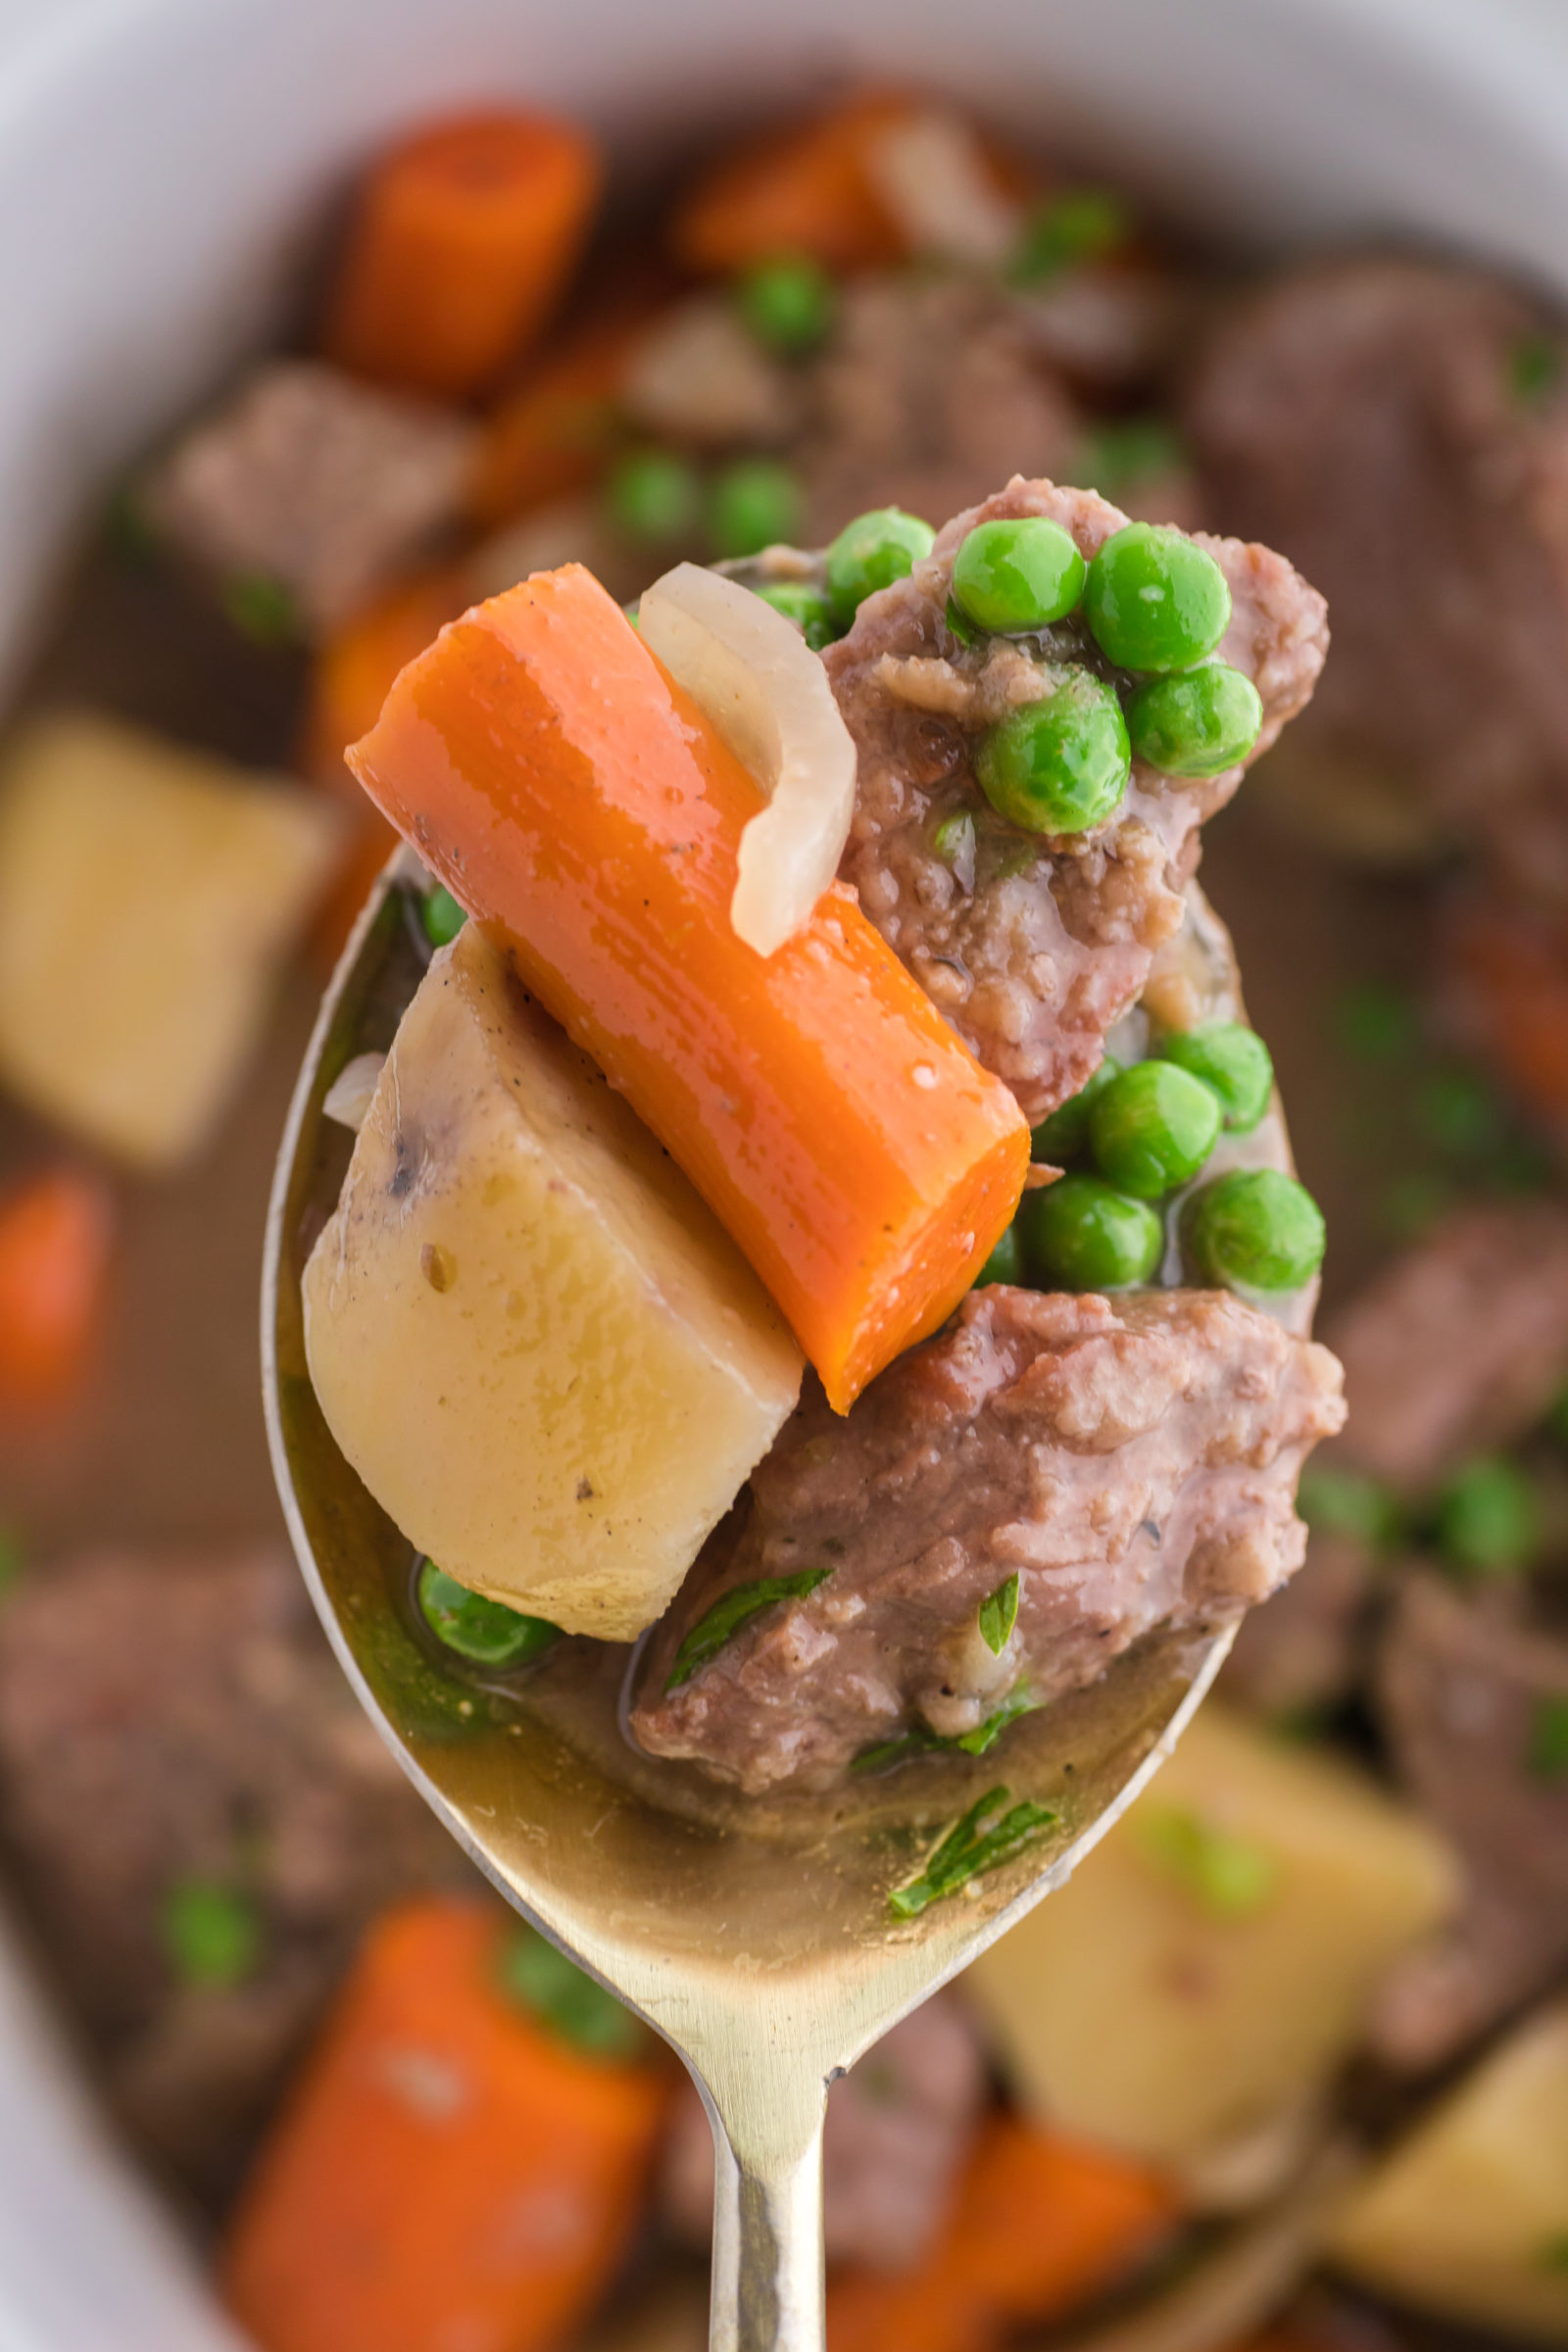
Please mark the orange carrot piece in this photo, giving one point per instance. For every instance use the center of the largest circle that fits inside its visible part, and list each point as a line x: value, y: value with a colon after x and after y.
x: 554, y: 434
x: 571, y: 797
x: 806, y: 191
x: 56, y: 1234
x: 1040, y: 2224
x: 448, y: 2172
x: 461, y: 242
x: 1511, y: 968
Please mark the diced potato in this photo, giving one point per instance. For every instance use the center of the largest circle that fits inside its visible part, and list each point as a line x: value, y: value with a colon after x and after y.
x: 147, y: 896
x: 1211, y: 1962
x: 535, y: 1344
x: 1469, y: 2216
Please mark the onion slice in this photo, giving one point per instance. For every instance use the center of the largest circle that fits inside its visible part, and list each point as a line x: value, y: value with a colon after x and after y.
x: 751, y: 673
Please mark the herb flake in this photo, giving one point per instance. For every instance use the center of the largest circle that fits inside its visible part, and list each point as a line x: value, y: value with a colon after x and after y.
x: 211, y: 1933
x: 730, y: 1612
x: 992, y: 1831
x: 999, y: 1614
x: 1227, y: 1875
x: 561, y: 1995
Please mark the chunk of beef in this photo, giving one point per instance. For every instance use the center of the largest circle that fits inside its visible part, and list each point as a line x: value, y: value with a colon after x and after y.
x: 1033, y: 947
x: 164, y: 1721
x: 932, y: 389
x: 899, y: 2125
x: 1459, y: 1347
x: 1132, y: 1462
x: 1399, y: 428
x: 320, y: 485
x: 1463, y: 1684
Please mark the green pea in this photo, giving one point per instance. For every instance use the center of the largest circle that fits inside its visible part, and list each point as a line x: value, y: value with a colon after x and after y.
x: 654, y: 495
x: 807, y: 607
x: 1487, y: 1520
x: 1081, y: 1234
x: 788, y: 303
x: 1234, y: 1061
x: 441, y: 917
x: 1255, y: 1229
x: 485, y: 1631
x: 1197, y: 723
x: 871, y: 553
x: 1006, y: 1262
x: 753, y: 504
x: 1016, y: 576
x: 1064, y: 1135
x: 1153, y: 1128
x: 1154, y: 599
x: 1060, y: 766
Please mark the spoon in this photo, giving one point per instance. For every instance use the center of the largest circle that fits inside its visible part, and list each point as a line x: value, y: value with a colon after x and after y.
x: 757, y: 1938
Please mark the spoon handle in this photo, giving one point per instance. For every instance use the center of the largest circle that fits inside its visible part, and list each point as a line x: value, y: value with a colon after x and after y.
x: 767, y: 2218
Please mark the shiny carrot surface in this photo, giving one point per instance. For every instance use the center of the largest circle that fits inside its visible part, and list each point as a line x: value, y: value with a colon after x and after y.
x: 571, y: 797
x: 462, y: 239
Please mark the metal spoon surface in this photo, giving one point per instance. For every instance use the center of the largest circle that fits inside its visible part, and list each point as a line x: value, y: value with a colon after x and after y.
x: 756, y: 1938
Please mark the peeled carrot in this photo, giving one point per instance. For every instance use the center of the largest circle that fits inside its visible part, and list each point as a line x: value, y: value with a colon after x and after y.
x: 55, y: 1240
x: 462, y: 240
x: 806, y: 191
x: 450, y: 2172
x: 1040, y: 2224
x: 571, y: 797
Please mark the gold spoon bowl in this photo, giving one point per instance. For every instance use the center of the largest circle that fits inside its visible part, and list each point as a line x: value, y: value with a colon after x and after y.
x: 757, y: 1938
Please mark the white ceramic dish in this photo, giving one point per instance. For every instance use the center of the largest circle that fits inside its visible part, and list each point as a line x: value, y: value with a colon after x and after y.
x: 162, y: 163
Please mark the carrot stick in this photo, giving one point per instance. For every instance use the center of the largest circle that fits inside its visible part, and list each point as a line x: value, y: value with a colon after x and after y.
x: 571, y: 797
x: 449, y: 2172
x: 462, y: 240
x: 55, y: 1238
x: 806, y: 191
x: 1040, y: 2224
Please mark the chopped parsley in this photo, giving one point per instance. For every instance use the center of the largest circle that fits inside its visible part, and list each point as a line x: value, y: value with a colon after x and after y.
x: 1078, y: 227
x: 728, y: 1614
x: 992, y: 1831
x: 999, y: 1614
x: 920, y: 1741
x: 1227, y: 1875
x: 1534, y: 369
x: 562, y: 1996
x: 263, y: 610
x: 1488, y: 1519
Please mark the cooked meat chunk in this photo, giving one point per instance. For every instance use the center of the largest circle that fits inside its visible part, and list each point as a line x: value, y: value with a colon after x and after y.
x: 932, y: 389
x: 169, y: 1722
x: 1464, y: 1686
x: 1035, y: 947
x: 899, y: 2123
x: 1459, y: 1347
x: 319, y: 485
x: 1132, y: 1462
x: 1399, y: 428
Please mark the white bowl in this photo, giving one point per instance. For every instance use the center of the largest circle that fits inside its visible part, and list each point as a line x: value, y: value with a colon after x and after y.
x: 162, y: 165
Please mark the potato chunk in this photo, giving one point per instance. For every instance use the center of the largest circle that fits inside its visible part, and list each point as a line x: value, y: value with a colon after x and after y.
x: 1469, y: 2216
x: 534, y: 1342
x: 147, y: 896
x: 1209, y: 1965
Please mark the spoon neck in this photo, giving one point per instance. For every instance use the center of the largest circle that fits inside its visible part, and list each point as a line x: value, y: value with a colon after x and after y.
x: 767, y: 2293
